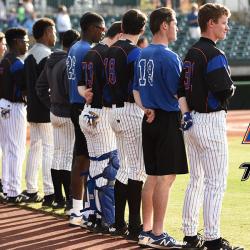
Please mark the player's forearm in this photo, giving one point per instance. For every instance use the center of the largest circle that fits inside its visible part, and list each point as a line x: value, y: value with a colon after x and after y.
x: 183, y: 105
x: 138, y: 99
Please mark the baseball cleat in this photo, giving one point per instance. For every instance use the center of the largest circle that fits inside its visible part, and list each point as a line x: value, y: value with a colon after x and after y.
x: 84, y: 222
x: 193, y: 243
x: 114, y: 231
x: 48, y: 200
x: 3, y: 197
x: 221, y: 245
x: 32, y: 197
x: 58, y: 205
x: 17, y: 199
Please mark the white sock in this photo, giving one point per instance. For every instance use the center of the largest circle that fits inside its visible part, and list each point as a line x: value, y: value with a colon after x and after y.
x: 86, y: 204
x: 77, y: 207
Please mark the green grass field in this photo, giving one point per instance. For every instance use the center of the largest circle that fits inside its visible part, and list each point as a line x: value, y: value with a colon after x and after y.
x: 235, y: 220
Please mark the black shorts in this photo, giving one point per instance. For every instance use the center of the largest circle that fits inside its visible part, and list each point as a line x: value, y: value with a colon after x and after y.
x: 163, y: 145
x: 80, y: 146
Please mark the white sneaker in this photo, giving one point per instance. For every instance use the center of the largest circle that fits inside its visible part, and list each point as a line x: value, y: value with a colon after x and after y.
x: 75, y: 220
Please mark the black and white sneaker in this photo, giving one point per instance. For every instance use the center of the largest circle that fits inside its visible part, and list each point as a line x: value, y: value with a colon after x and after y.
x: 91, y: 222
x: 99, y: 228
x: 120, y: 231
x: 17, y: 199
x: 3, y: 197
x: 48, y: 200
x: 58, y: 205
x: 33, y: 197
x: 220, y: 244
x: 193, y: 242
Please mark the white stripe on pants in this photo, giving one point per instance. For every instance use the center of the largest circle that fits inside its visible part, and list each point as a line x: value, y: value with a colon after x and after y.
x: 14, y: 140
x: 100, y: 140
x: 64, y: 137
x: 126, y: 123
x: 207, y: 149
x: 41, y: 150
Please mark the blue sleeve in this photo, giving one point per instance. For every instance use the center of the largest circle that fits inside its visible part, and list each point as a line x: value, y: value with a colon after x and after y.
x: 216, y: 63
x: 136, y: 80
x: 17, y: 65
x: 218, y: 74
x: 171, y: 72
x: 18, y: 77
x: 134, y: 54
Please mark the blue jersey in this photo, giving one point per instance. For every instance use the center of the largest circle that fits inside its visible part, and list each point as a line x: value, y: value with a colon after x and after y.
x: 157, y: 77
x: 74, y: 69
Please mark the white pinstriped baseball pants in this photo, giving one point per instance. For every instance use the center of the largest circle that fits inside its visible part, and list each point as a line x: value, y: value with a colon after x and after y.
x: 13, y: 130
x: 64, y: 138
x: 207, y: 149
x: 100, y: 140
x: 126, y: 123
x: 41, y: 151
x: 4, y: 178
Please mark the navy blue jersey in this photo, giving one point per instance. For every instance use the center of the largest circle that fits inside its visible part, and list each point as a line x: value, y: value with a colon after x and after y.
x: 157, y: 77
x: 120, y: 70
x: 12, y: 83
x: 93, y: 76
x: 205, y: 78
x: 74, y: 69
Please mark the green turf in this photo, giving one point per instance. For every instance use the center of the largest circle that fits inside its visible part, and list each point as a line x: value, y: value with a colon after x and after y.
x: 235, y: 220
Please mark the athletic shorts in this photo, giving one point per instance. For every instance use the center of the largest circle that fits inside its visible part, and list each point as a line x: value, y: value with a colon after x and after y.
x: 163, y: 145
x: 80, y: 146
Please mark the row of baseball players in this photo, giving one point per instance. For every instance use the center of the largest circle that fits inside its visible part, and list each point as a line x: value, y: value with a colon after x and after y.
x: 131, y: 105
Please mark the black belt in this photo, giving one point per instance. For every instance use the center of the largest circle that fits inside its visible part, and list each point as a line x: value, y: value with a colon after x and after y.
x: 121, y: 104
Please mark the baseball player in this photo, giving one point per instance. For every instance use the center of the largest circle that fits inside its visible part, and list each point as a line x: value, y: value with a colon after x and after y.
x: 206, y: 84
x: 125, y: 120
x: 92, y: 26
x: 13, y: 113
x: 100, y: 137
x: 38, y: 116
x: 53, y: 90
x: 3, y: 188
x: 156, y: 82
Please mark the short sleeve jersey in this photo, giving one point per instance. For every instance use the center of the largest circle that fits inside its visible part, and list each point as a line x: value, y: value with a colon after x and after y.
x: 205, y: 74
x: 12, y: 81
x: 157, y: 75
x: 93, y: 75
x: 120, y: 70
x: 74, y: 69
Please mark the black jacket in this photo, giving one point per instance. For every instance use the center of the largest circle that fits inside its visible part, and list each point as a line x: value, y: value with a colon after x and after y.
x: 34, y: 63
x: 12, y: 82
x: 52, y: 86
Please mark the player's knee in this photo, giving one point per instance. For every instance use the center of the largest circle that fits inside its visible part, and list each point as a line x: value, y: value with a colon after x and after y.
x: 167, y: 179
